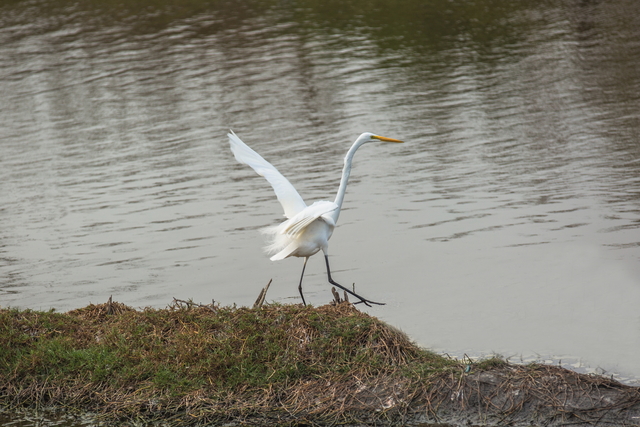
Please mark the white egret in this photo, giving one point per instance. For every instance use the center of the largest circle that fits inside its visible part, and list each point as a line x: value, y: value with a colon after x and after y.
x: 308, y: 228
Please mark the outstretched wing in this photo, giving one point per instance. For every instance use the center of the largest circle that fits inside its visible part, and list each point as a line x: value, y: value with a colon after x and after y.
x: 287, y: 195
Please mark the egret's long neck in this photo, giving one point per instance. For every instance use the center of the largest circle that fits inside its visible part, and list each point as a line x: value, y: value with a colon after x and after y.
x: 346, y: 171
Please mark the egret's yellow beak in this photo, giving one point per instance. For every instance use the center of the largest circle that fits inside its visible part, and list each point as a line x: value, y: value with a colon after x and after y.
x: 384, y: 138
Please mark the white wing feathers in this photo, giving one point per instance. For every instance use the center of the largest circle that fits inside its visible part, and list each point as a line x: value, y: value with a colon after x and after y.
x: 287, y: 195
x: 295, y: 225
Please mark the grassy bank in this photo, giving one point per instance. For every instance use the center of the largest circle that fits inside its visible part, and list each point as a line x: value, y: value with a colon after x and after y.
x: 279, y: 364
x: 206, y: 364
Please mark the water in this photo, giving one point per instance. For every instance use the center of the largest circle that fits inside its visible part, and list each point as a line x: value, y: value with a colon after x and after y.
x: 508, y: 222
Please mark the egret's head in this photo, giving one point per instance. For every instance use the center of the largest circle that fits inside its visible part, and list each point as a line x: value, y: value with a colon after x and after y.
x: 370, y: 137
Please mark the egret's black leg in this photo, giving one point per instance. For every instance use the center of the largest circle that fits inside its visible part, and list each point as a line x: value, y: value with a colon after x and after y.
x: 301, y: 276
x: 365, y: 301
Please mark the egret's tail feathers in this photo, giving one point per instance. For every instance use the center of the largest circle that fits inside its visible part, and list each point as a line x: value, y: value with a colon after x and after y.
x: 286, y: 252
x: 277, y: 241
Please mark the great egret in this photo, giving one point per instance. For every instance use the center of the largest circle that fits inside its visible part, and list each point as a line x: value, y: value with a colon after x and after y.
x: 308, y: 228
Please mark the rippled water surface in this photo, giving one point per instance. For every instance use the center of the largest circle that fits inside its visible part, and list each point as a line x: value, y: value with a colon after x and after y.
x: 508, y: 222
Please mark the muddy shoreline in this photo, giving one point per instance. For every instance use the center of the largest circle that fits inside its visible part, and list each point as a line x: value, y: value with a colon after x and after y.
x: 538, y: 395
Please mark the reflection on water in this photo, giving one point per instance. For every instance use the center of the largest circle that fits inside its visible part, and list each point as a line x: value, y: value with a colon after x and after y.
x: 508, y: 221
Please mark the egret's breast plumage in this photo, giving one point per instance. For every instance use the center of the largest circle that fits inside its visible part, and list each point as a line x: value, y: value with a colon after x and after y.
x: 313, y: 238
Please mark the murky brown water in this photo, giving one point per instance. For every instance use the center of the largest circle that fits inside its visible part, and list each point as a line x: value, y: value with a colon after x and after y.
x: 508, y: 222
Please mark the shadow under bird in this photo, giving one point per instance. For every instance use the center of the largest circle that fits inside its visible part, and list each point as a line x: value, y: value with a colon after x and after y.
x: 307, y: 229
